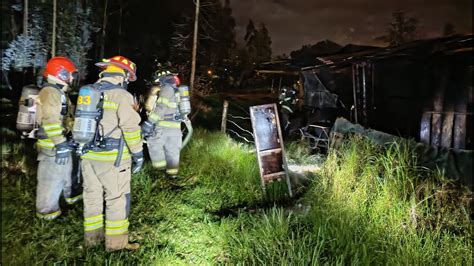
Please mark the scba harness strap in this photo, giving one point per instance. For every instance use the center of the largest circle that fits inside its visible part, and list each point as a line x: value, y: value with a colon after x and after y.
x: 101, y: 142
x: 64, y: 107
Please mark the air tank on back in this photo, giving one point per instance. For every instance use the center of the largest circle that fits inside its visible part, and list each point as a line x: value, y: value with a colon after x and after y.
x: 184, y: 103
x: 87, y: 114
x: 26, y: 119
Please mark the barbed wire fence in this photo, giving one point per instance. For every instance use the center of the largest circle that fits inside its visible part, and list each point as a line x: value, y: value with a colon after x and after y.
x: 237, y: 125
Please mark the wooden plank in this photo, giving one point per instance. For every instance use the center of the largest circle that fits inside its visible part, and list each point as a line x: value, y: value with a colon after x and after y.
x: 266, y: 152
x: 425, y: 128
x: 256, y: 139
x: 271, y: 163
x: 224, y: 116
x: 447, y: 131
x: 460, y: 123
x: 283, y: 72
x: 436, y: 124
x: 273, y: 176
x: 285, y: 163
x: 269, y: 143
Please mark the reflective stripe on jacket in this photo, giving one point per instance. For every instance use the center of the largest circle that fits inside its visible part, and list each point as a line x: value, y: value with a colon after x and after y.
x: 119, y: 118
x: 55, y: 125
x: 166, y: 108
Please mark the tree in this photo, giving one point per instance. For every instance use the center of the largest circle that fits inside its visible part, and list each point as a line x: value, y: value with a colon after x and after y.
x: 258, y: 43
x: 216, y: 41
x: 402, y: 29
x: 30, y: 49
x: 216, y: 34
x: 53, y: 35
x: 74, y: 34
x: 250, y: 32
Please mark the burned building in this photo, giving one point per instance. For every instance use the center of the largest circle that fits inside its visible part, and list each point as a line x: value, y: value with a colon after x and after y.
x: 420, y: 90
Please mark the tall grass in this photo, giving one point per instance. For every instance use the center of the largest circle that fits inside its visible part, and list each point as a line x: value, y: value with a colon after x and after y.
x: 377, y: 206
x: 368, y: 205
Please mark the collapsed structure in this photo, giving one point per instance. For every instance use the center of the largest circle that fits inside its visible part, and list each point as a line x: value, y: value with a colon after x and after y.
x: 421, y: 90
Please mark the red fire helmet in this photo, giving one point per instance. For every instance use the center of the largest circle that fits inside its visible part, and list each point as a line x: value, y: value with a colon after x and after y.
x: 61, y: 68
x: 122, y: 62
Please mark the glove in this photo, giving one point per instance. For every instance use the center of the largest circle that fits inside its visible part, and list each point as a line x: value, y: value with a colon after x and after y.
x: 63, y: 152
x: 178, y: 117
x: 137, y: 162
x: 148, y: 129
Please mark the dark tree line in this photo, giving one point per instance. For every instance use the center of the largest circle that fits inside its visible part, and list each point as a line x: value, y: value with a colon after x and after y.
x: 145, y: 31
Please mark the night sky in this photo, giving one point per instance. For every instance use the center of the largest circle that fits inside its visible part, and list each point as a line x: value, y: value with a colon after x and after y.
x: 293, y: 23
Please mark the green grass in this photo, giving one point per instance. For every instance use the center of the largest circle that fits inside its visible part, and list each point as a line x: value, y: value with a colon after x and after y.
x: 367, y: 205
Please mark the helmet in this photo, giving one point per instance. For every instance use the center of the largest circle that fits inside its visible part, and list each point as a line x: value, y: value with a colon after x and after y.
x: 61, y: 68
x: 165, y: 76
x: 123, y: 63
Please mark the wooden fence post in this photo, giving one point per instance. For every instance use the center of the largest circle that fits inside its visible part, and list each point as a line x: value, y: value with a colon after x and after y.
x: 224, y: 117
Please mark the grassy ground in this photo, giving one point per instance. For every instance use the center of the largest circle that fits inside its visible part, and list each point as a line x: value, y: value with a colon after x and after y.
x: 365, y: 206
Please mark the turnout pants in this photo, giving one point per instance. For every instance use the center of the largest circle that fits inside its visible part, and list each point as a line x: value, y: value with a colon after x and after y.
x: 104, y: 181
x: 53, y: 179
x: 165, y: 148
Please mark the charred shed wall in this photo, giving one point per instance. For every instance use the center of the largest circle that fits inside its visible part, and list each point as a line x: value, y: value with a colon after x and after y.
x: 428, y: 99
x: 422, y: 90
x: 401, y: 89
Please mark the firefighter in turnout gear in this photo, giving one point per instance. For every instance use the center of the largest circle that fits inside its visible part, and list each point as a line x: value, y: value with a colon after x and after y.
x: 107, y: 162
x: 162, y: 129
x: 287, y: 99
x: 54, y: 151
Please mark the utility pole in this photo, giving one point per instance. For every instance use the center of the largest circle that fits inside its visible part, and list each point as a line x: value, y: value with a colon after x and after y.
x: 25, y: 18
x: 195, y: 39
x: 53, y: 44
x: 104, y: 26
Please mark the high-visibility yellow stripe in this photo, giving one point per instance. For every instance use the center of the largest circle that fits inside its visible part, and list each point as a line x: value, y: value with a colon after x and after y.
x: 163, y: 100
x: 133, y: 141
x: 132, y: 134
x: 167, y: 102
x: 110, y: 105
x: 73, y: 199
x: 110, y: 223
x: 116, y: 227
x: 169, y: 124
x: 154, y: 117
x: 133, y: 137
x: 54, y: 133
x: 94, y: 222
x: 45, y: 143
x: 52, y: 126
x: 99, y: 217
x: 159, y: 164
x: 94, y: 226
x: 172, y: 171
x: 99, y: 158
x: 105, y: 156
x: 287, y: 108
x: 49, y: 216
x: 114, y: 232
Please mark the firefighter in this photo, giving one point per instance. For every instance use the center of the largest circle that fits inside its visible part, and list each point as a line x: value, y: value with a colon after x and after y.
x: 54, y: 155
x: 162, y: 129
x: 287, y: 99
x: 107, y: 167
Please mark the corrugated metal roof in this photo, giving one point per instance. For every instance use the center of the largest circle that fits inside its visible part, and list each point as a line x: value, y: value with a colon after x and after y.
x: 352, y: 53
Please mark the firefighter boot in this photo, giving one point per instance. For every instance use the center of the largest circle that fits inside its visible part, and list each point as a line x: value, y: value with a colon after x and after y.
x: 94, y: 238
x: 119, y: 242
x: 172, y: 176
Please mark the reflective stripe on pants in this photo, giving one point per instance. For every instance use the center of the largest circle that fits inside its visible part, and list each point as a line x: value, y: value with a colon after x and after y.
x: 165, y: 146
x: 53, y: 179
x: 104, y: 177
